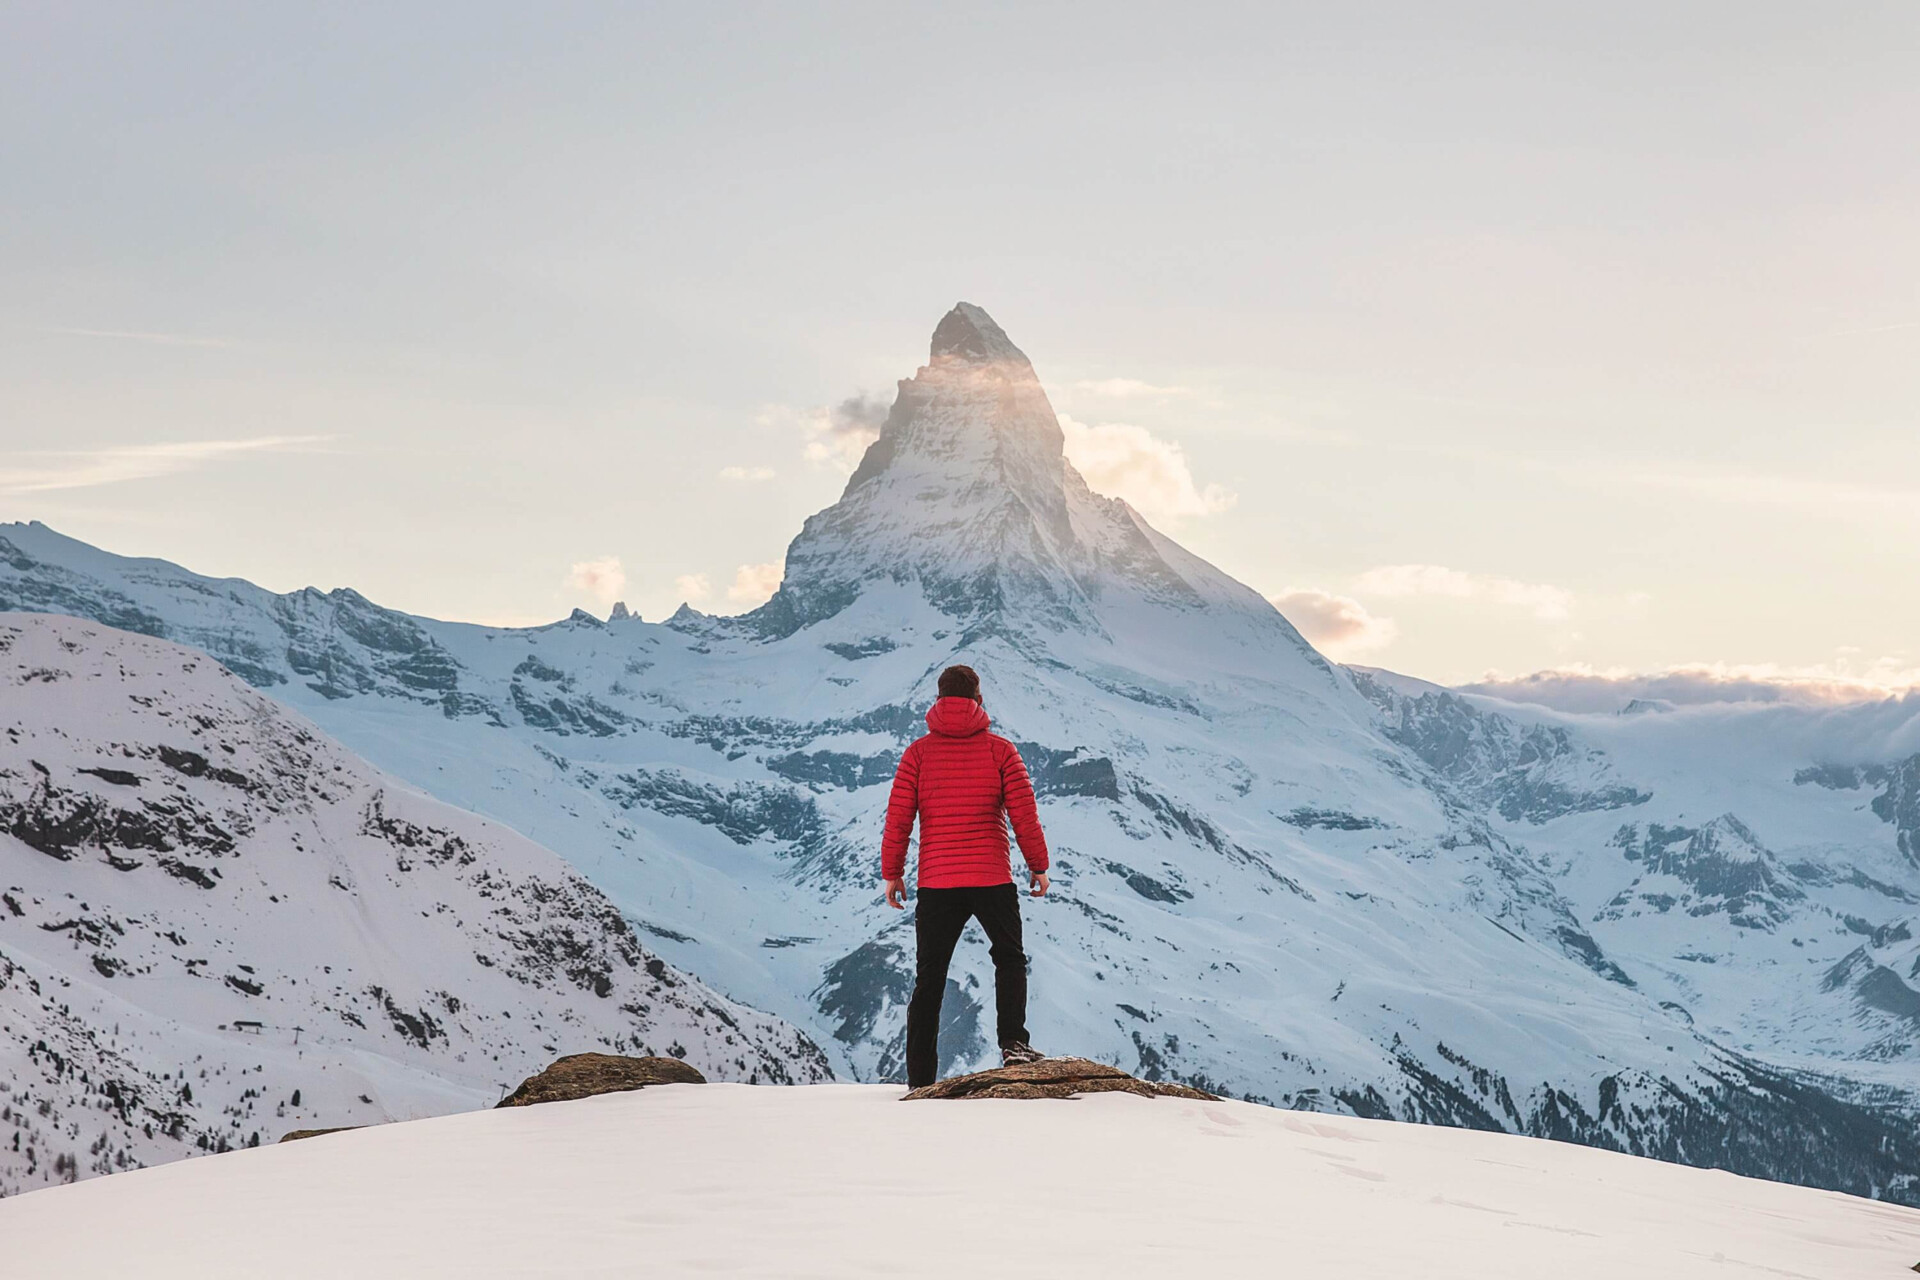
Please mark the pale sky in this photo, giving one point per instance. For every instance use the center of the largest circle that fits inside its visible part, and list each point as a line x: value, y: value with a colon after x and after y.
x: 1488, y: 337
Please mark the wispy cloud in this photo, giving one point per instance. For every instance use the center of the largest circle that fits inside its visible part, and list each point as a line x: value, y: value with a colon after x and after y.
x: 839, y: 436
x: 1339, y: 626
x: 45, y: 470
x: 1848, y: 499
x: 1548, y: 603
x: 693, y: 586
x: 1129, y: 389
x: 1835, y: 498
x: 603, y: 579
x: 754, y: 584
x: 135, y: 335
x: 746, y: 473
x: 1150, y: 473
x: 1866, y: 329
x: 1784, y: 491
x: 835, y: 436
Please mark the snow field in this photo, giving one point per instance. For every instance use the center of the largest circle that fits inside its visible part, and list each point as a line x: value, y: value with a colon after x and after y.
x: 845, y: 1181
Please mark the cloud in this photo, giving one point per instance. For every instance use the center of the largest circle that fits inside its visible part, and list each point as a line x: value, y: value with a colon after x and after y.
x: 754, y: 584
x: 836, y: 436
x: 602, y: 579
x: 1586, y: 689
x: 1547, y: 603
x: 1151, y: 474
x: 1128, y: 388
x: 1872, y: 328
x: 1338, y: 626
x: 746, y: 473
x: 46, y: 470
x: 693, y: 586
x: 1849, y: 499
x: 1785, y: 491
x: 135, y: 335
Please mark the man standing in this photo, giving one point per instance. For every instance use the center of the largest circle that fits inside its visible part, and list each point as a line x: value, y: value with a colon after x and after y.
x: 965, y: 785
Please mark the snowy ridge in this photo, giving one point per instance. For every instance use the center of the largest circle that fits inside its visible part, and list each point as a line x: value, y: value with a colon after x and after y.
x: 1275, y: 877
x: 843, y: 1181
x: 216, y: 925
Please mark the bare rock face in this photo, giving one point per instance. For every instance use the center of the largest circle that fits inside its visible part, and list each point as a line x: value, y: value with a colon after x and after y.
x: 297, y: 1134
x: 582, y: 1075
x: 1053, y: 1078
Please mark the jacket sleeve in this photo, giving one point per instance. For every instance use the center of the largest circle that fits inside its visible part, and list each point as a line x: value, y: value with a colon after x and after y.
x: 1022, y: 812
x: 902, y: 804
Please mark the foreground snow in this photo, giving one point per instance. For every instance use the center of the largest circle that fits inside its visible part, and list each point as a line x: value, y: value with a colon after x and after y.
x: 844, y: 1180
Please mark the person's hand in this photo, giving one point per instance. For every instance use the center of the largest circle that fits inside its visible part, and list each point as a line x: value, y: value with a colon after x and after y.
x: 1040, y: 884
x: 896, y: 893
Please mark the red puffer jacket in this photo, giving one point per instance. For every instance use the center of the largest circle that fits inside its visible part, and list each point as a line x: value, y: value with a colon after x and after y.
x: 965, y: 784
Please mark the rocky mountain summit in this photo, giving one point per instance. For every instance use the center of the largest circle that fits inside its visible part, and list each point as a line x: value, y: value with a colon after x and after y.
x: 1275, y: 877
x: 968, y: 500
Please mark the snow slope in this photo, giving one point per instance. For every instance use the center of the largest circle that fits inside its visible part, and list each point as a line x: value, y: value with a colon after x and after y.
x: 845, y: 1180
x: 1763, y: 877
x: 216, y: 926
x: 1275, y: 877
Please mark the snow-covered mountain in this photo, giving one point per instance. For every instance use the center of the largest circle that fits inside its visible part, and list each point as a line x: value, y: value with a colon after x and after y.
x: 1763, y: 882
x: 847, y: 1180
x: 1685, y: 934
x: 217, y: 925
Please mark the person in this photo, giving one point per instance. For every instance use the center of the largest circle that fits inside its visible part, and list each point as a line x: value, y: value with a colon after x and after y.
x: 966, y: 786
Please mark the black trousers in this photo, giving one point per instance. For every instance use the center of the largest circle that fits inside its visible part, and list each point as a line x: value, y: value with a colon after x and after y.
x: 939, y: 917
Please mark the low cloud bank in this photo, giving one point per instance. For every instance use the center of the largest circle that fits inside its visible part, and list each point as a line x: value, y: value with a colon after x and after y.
x: 1802, y: 717
x: 1586, y: 690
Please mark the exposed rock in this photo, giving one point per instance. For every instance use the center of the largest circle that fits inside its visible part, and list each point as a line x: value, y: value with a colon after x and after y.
x: 582, y: 1075
x: 297, y: 1134
x: 1053, y: 1078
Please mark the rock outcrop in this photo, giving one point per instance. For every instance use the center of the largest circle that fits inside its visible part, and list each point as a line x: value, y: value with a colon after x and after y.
x: 582, y: 1075
x: 1053, y: 1078
x: 297, y: 1134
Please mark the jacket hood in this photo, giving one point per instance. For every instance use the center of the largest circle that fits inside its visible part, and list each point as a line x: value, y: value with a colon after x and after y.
x: 957, y: 717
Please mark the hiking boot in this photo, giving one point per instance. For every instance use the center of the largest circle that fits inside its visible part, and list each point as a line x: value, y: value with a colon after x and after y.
x: 1012, y: 1055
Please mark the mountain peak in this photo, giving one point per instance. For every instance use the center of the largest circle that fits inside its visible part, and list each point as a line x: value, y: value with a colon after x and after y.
x: 967, y: 494
x: 968, y: 333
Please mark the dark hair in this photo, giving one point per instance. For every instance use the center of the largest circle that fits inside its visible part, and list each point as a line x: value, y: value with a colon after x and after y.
x: 960, y: 682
